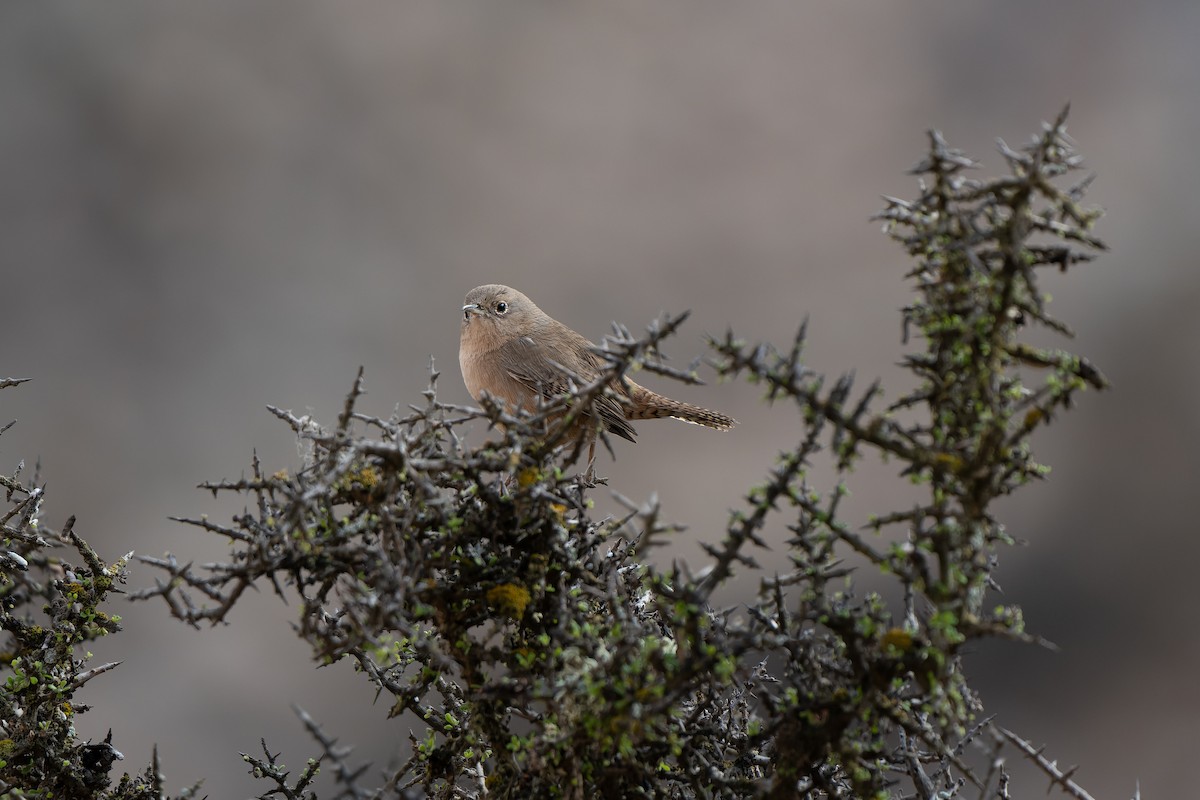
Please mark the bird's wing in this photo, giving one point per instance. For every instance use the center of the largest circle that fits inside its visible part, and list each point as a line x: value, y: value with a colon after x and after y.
x: 528, y: 365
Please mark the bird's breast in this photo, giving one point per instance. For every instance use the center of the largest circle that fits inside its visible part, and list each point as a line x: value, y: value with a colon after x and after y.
x: 483, y: 371
x: 473, y: 371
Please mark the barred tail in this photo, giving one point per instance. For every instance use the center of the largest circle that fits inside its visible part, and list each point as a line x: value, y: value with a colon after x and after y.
x: 651, y: 405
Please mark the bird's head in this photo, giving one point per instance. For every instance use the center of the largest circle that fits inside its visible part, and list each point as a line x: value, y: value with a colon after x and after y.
x: 496, y: 311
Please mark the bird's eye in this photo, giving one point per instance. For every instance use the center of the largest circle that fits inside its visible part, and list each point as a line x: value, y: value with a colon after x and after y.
x: 501, y: 307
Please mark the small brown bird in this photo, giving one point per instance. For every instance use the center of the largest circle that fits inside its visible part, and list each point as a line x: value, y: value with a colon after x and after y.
x: 515, y: 352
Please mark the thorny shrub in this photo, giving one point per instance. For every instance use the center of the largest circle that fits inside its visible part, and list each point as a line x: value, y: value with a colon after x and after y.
x: 534, y: 650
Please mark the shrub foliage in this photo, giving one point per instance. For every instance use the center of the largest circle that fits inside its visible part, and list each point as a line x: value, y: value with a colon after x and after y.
x: 534, y: 650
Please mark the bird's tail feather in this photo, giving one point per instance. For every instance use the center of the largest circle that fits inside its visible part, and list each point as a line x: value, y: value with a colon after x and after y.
x: 651, y: 405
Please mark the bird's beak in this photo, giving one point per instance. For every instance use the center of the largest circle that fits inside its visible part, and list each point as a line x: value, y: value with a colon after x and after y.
x: 471, y: 308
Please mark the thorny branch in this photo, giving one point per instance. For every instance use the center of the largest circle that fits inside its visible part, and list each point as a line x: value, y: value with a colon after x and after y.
x: 533, y: 651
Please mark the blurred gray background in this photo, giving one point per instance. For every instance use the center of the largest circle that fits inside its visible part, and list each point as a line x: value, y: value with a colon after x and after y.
x: 206, y: 208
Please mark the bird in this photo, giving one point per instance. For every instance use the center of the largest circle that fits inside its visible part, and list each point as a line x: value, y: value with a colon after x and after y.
x: 517, y: 353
